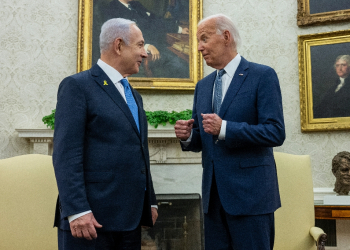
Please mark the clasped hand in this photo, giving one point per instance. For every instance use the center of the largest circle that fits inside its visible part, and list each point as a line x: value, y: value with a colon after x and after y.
x: 154, y: 52
x: 211, y: 123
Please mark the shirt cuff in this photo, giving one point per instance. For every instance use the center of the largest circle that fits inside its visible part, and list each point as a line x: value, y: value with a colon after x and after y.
x: 180, y: 30
x: 76, y: 216
x: 188, y: 141
x: 155, y: 206
x: 222, y: 133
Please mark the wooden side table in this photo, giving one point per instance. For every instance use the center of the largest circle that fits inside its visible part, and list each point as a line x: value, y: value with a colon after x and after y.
x: 332, y: 212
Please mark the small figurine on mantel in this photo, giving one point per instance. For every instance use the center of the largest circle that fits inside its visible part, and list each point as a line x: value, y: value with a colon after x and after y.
x: 341, y: 171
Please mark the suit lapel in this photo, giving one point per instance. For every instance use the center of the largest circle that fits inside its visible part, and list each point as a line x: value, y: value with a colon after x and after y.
x: 236, y: 83
x: 207, y: 95
x: 108, y: 86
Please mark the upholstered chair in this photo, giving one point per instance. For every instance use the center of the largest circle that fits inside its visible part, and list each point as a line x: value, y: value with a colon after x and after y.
x: 295, y: 220
x: 28, y: 194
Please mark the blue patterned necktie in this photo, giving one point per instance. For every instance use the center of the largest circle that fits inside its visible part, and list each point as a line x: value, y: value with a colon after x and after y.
x: 131, y: 101
x: 218, y: 91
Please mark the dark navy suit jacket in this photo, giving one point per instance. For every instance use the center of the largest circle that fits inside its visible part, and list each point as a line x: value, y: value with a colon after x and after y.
x: 101, y: 161
x: 244, y: 165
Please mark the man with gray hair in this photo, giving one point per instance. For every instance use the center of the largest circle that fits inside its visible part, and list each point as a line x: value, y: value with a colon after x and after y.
x: 237, y: 120
x: 100, y: 155
x: 335, y: 102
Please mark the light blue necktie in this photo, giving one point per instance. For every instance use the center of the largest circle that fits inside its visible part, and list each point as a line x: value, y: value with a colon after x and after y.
x: 218, y: 91
x: 131, y: 101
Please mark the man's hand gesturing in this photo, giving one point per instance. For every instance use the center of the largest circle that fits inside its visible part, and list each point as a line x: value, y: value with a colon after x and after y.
x: 183, y: 129
x: 211, y: 123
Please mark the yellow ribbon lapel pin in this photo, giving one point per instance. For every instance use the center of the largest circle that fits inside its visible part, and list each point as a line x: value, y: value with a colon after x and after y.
x: 105, y: 82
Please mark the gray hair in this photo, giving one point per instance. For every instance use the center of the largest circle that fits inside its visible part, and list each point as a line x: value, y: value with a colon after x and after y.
x: 223, y: 23
x: 113, y: 29
x: 346, y: 58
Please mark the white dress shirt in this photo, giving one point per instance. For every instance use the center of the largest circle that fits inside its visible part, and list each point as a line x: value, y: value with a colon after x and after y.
x: 230, y: 69
x: 115, y: 77
x: 341, y: 84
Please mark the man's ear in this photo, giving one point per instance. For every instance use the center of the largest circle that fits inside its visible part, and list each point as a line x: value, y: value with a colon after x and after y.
x: 117, y: 45
x: 227, y: 37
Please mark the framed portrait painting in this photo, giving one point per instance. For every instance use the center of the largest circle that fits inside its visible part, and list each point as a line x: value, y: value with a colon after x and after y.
x: 169, y: 29
x: 324, y: 81
x: 315, y: 12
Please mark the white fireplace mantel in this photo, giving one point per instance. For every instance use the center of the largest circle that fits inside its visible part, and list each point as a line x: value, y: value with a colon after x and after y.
x: 170, y: 165
x: 164, y: 147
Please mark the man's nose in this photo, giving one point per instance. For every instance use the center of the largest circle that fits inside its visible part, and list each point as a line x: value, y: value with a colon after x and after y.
x: 144, y: 53
x: 200, y: 46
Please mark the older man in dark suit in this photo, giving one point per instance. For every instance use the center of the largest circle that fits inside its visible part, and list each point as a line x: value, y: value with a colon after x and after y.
x: 335, y: 103
x: 100, y: 156
x: 237, y: 120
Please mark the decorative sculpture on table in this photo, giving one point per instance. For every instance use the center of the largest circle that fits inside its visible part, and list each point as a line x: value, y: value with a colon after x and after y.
x: 341, y: 171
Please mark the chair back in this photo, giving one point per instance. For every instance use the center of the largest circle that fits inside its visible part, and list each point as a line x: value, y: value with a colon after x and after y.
x: 297, y: 215
x: 28, y: 194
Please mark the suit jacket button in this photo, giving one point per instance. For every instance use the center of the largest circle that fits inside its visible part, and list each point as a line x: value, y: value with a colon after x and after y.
x: 143, y: 171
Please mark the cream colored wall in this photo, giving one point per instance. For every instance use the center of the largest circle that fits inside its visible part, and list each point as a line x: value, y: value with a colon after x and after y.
x: 38, y: 42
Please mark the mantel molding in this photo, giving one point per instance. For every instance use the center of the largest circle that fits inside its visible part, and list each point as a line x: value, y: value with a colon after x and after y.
x: 35, y: 133
x: 164, y: 147
x: 153, y: 133
x: 163, y: 133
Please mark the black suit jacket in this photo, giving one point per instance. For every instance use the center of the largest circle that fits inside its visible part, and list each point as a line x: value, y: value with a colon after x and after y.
x: 335, y: 104
x: 100, y: 158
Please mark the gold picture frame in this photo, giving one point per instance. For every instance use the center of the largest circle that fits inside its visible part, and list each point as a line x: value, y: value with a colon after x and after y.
x: 304, y: 18
x: 194, y: 59
x: 318, y: 78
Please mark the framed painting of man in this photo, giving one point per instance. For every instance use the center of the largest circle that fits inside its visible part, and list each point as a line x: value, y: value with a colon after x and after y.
x: 324, y: 81
x: 316, y: 12
x: 169, y: 29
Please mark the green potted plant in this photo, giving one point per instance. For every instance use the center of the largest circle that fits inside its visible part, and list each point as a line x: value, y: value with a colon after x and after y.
x: 154, y: 118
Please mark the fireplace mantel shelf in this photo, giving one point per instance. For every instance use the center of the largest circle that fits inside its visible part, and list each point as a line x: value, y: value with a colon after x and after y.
x: 153, y: 133
x: 164, y: 147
